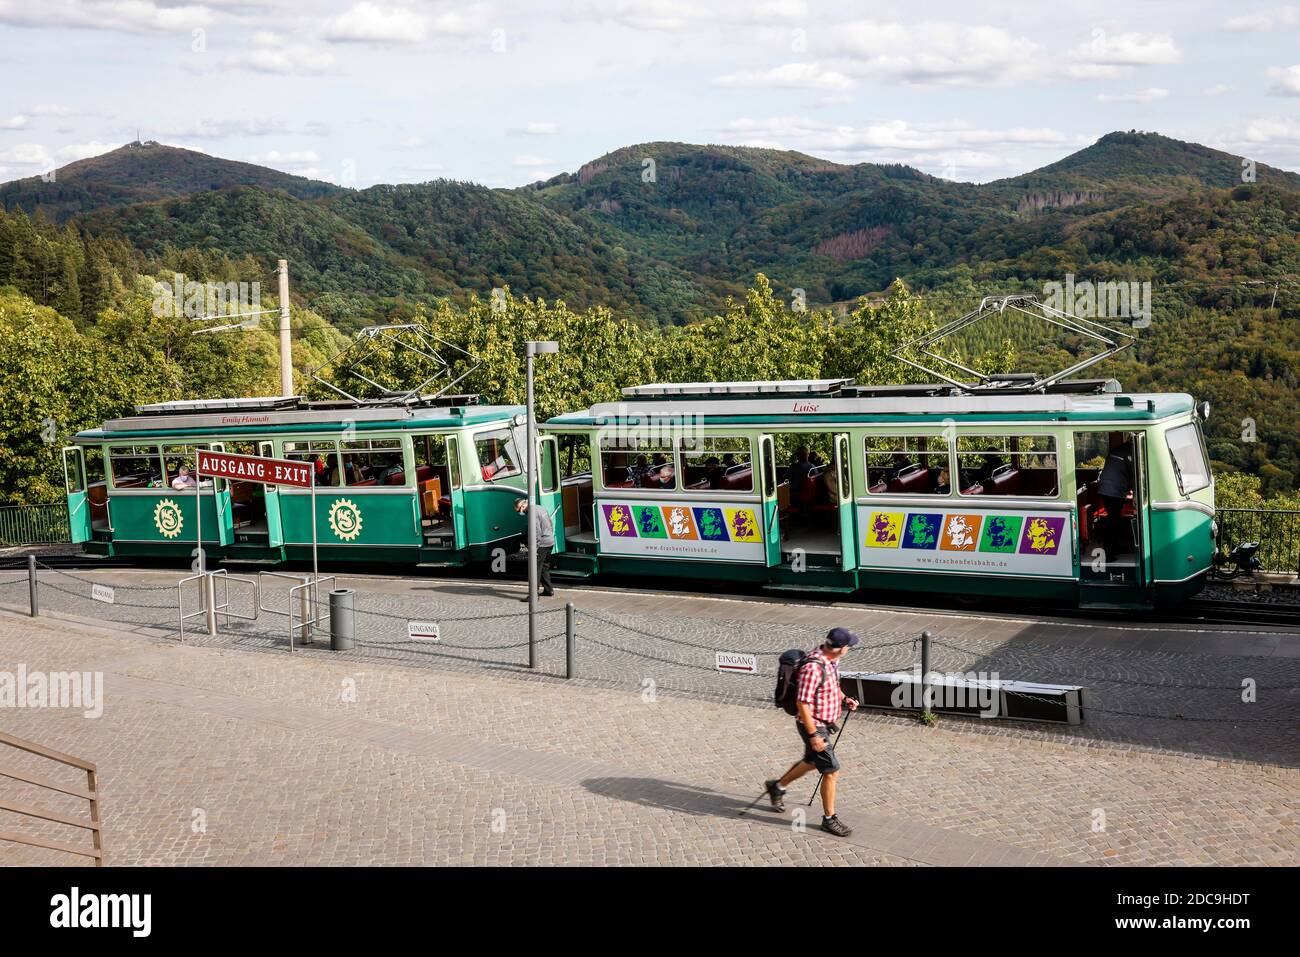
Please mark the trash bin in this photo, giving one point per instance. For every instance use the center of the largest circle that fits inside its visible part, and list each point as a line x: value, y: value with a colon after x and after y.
x: 343, y: 619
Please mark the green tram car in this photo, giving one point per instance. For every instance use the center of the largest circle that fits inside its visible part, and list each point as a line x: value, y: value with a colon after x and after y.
x: 430, y: 484
x: 826, y: 486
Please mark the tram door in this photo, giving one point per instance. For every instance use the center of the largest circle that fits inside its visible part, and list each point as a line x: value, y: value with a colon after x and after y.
x: 221, y: 504
x: 457, y: 493
x: 843, y: 486
x: 771, y: 503
x: 549, y: 494
x: 271, y: 495
x: 74, y: 483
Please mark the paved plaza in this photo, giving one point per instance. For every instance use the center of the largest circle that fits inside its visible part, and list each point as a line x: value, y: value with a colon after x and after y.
x: 230, y: 750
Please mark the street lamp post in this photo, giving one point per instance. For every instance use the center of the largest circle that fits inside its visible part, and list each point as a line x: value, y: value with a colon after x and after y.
x: 531, y: 349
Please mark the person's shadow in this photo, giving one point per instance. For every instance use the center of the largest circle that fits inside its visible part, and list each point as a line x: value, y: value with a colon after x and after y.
x: 702, y: 802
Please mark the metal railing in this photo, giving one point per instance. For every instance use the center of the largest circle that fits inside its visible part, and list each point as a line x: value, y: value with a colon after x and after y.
x: 34, y: 524
x: 89, y: 793
x: 1276, y: 529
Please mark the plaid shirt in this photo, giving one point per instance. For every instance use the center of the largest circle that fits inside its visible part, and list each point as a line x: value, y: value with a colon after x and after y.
x: 825, y: 696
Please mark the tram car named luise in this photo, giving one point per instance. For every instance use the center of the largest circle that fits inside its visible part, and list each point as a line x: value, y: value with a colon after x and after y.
x: 1076, y: 493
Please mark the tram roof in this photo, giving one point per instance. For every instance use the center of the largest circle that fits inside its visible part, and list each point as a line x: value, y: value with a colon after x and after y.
x: 837, y: 400
x: 291, y: 414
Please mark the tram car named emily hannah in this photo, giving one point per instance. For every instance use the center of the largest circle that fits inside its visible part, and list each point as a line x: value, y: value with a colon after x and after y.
x: 427, y: 483
x: 1076, y: 493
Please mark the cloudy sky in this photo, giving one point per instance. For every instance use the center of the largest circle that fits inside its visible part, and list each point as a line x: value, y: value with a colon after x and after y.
x: 506, y: 92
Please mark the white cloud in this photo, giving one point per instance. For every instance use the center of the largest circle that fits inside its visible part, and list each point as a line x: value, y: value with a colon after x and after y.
x: 205, y: 129
x: 27, y: 154
x: 1286, y: 80
x: 1149, y: 95
x: 1217, y: 90
x: 17, y: 122
x: 126, y: 16
x: 1114, y: 54
x: 1264, y: 21
x: 270, y: 54
x: 80, y: 151
x: 53, y: 109
x: 951, y: 149
x: 791, y: 76
x: 540, y: 129
x: 931, y: 53
x: 1270, y: 131
x: 371, y: 23
x: 530, y: 162
x: 293, y: 157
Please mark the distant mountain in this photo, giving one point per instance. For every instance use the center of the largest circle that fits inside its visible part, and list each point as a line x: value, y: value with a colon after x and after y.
x: 1145, y: 163
x: 141, y: 172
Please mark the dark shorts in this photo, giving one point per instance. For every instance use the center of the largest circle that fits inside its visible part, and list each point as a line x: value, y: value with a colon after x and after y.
x: 824, y: 761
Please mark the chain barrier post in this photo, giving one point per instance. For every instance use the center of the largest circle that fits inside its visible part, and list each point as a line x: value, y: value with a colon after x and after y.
x: 926, y: 690
x: 569, y: 639
x: 209, y: 583
x: 33, y: 598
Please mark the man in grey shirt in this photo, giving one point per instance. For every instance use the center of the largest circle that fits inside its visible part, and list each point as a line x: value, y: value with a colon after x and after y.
x: 1113, y: 485
x: 545, y: 542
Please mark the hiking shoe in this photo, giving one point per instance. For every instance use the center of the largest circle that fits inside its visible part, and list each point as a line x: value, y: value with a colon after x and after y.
x: 833, y: 825
x: 775, y: 795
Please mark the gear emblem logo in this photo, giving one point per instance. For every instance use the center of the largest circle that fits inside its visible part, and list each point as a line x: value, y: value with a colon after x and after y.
x: 167, y: 518
x: 345, y: 519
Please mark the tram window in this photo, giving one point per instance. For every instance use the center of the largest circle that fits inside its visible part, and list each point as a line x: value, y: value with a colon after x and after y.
x: 1188, y: 455
x: 628, y: 462
x: 718, y: 464
x: 1014, y: 465
x: 324, y: 457
x: 908, y: 465
x: 575, y: 455
x: 498, y: 457
x: 136, y: 466
x: 372, y: 461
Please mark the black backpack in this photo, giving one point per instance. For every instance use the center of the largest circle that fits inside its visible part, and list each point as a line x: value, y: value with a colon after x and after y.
x: 786, y: 695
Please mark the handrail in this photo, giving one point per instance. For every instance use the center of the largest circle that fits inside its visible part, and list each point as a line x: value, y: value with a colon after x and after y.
x: 90, y: 793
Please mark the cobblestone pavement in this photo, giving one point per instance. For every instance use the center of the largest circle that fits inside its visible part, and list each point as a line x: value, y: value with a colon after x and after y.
x: 210, y: 755
x: 1226, y: 693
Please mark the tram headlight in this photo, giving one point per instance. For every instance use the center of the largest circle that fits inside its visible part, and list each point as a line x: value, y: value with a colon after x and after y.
x: 1203, y: 410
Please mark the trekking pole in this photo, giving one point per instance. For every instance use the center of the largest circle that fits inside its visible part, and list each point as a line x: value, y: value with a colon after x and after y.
x: 847, y: 715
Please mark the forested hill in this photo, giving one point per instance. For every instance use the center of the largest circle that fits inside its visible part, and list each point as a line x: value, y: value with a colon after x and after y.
x: 665, y: 232
x: 141, y: 172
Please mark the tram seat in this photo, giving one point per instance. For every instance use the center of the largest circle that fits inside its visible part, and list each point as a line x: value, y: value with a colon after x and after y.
x: 702, y: 483
x: 741, y: 477
x: 916, y: 481
x: 395, y: 477
x: 879, y: 488
x: 1004, y: 482
x: 368, y: 481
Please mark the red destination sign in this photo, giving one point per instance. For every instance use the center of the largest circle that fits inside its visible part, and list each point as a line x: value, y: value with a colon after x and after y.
x: 247, y: 468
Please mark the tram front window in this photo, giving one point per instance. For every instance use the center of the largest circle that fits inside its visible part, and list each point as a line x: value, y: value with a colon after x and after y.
x: 497, y: 456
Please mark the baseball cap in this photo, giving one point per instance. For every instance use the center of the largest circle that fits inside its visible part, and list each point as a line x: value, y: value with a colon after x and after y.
x: 841, y: 637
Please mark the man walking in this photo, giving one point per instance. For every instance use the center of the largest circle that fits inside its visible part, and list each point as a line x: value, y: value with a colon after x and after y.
x: 818, y: 699
x: 545, y: 542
